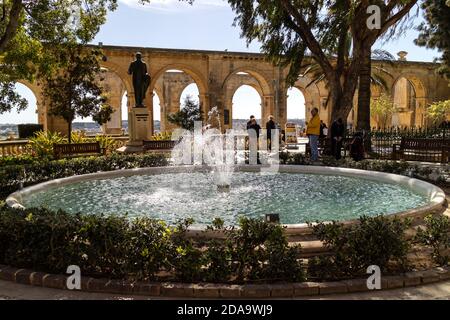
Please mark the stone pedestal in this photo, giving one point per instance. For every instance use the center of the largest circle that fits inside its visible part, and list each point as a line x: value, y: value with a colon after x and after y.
x: 139, y: 128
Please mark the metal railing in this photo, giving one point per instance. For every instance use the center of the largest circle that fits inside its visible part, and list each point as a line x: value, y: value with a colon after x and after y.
x: 379, y: 143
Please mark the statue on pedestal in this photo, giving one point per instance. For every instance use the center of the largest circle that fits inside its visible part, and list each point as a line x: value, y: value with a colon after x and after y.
x: 141, y: 79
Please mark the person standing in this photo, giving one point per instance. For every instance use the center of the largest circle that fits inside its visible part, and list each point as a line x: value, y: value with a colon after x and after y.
x: 313, y: 132
x: 249, y: 122
x: 323, y: 130
x: 255, y: 126
x: 270, y: 125
x: 337, y: 137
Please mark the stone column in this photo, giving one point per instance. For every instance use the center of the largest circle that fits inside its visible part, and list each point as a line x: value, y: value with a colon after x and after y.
x: 420, y: 114
x: 268, y: 108
x: 205, y: 106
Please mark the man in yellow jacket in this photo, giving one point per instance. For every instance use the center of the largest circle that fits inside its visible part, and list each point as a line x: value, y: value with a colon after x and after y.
x: 313, y: 132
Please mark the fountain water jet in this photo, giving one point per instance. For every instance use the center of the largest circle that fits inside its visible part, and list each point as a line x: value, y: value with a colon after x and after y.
x: 216, y: 151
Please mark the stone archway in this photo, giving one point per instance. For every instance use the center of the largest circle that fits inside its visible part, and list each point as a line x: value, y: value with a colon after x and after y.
x: 41, y: 111
x: 115, y: 88
x: 409, y: 93
x: 312, y: 96
x: 246, y: 76
x: 162, y: 85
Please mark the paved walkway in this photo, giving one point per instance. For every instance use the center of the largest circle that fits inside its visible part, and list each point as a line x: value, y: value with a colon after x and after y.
x: 10, y: 290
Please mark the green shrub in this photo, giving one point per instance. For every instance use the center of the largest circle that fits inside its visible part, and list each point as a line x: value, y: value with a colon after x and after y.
x: 118, y: 246
x: 17, y: 160
x: 43, y: 141
x: 106, y: 143
x: 14, y: 176
x: 376, y: 240
x: 28, y: 130
x: 435, y: 235
x: 261, y: 251
x: 166, y: 135
x: 78, y: 137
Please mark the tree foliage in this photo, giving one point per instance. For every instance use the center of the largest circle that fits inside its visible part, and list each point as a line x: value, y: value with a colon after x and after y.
x: 31, y: 33
x: 291, y: 29
x: 382, y: 109
x: 76, y: 91
x: 435, y: 32
x: 438, y: 112
x: 186, y: 117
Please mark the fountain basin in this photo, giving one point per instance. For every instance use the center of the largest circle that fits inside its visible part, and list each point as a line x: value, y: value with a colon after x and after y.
x: 296, y: 193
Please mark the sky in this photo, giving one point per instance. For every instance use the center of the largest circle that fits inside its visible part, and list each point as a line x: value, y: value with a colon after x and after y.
x: 205, y: 25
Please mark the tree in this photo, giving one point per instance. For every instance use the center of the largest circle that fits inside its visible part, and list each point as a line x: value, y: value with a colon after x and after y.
x: 75, y: 90
x: 288, y: 28
x: 382, y: 109
x: 438, y: 112
x: 31, y: 32
x: 189, y: 113
x: 435, y: 32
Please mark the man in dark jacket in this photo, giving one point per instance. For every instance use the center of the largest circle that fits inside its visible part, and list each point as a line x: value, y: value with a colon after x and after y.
x: 270, y: 125
x: 249, y: 122
x: 255, y: 126
x: 337, y: 137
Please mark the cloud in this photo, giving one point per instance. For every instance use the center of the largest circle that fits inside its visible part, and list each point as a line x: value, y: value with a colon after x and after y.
x: 174, y: 5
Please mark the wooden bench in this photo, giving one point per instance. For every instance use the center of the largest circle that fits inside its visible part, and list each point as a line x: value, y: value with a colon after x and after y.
x: 422, y: 149
x: 159, y: 145
x: 76, y: 149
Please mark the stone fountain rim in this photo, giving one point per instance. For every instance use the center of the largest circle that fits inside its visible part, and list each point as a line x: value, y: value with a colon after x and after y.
x: 435, y: 194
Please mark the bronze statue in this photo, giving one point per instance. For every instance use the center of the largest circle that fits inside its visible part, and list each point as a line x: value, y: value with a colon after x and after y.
x: 141, y: 79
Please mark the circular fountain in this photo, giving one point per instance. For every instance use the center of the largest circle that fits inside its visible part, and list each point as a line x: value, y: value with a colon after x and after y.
x: 222, y: 189
x: 297, y: 193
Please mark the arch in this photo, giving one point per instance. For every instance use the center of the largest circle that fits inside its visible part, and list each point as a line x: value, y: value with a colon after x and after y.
x: 114, y: 87
x: 412, y: 110
x: 121, y: 73
x: 312, y: 96
x: 198, y: 80
x: 157, y: 109
x: 31, y: 93
x: 244, y: 114
x: 183, y: 91
x: 195, y: 74
x: 259, y: 83
x: 419, y: 88
x: 255, y: 73
x: 292, y: 96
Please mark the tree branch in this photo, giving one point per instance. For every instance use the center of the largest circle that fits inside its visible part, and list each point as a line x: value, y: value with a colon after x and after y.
x: 396, y: 17
x: 12, y: 26
x: 302, y: 28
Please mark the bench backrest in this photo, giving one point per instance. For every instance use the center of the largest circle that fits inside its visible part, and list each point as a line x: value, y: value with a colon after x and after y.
x: 424, y: 144
x: 76, y: 148
x: 159, y: 144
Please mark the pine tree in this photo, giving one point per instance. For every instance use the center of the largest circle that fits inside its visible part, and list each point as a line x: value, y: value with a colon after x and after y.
x: 189, y: 113
x: 435, y: 32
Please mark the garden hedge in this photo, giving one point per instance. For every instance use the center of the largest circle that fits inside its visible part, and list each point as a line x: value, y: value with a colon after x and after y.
x: 35, y: 170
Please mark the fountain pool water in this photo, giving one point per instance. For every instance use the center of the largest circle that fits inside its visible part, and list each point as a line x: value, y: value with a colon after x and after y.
x: 187, y: 193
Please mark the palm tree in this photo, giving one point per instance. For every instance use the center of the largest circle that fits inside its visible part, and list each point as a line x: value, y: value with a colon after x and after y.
x: 367, y: 77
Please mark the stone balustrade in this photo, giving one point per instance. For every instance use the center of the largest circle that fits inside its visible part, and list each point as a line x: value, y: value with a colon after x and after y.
x: 14, y: 148
x: 22, y: 147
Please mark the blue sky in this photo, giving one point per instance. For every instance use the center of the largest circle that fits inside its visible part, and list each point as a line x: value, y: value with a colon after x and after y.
x: 205, y: 25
